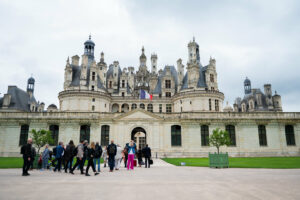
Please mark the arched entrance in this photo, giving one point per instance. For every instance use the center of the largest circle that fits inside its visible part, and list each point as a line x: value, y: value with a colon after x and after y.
x: 138, y: 135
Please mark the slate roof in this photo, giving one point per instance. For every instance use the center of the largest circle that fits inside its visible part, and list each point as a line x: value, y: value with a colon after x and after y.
x: 201, y: 82
x: 173, y: 70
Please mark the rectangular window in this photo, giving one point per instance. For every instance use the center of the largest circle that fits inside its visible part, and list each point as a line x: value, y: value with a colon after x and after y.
x: 104, y: 135
x: 212, y: 79
x: 93, y: 76
x: 209, y: 104
x: 123, y: 83
x: 262, y: 135
x: 160, y: 108
x: 168, y: 94
x: 93, y: 108
x: 168, y: 108
x: 168, y: 83
x: 290, y: 135
x: 123, y: 94
x: 93, y: 100
x: 217, y: 105
x: 231, y: 131
x: 204, y: 135
x: 23, y: 135
x: 159, y: 95
x: 110, y: 84
x: 93, y: 88
x: 175, y: 135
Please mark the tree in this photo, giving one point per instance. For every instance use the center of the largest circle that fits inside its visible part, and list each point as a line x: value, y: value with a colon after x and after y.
x: 219, y: 138
x: 41, y: 138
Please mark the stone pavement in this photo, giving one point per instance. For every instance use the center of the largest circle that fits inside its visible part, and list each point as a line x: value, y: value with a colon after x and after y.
x: 161, y: 181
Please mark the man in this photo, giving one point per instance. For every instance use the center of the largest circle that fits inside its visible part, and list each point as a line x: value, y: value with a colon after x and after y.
x: 147, y: 154
x: 26, y: 151
x: 98, y: 153
x: 111, y: 152
x: 59, y: 155
x: 79, y: 157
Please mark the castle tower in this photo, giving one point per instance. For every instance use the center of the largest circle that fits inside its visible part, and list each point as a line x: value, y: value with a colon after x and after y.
x: 268, y: 94
x: 247, y: 86
x: 143, y: 58
x: 68, y: 74
x: 194, y: 52
x: 153, y: 63
x: 89, y: 48
x: 30, y: 86
x: 180, y: 71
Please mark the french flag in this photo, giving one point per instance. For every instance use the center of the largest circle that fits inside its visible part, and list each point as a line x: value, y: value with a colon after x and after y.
x: 145, y: 95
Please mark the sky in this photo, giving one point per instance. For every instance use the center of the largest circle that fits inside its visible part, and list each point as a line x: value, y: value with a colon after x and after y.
x: 255, y: 39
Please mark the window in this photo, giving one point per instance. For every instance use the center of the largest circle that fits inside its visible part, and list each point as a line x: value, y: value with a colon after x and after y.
x: 191, y: 102
x: 93, y: 88
x: 209, y: 104
x: 93, y: 108
x: 204, y: 135
x: 150, y: 108
x: 168, y: 83
x: 85, y: 133
x: 142, y: 106
x: 212, y: 89
x: 93, y: 76
x: 175, y: 135
x: 262, y: 135
x: 93, y: 99
x: 123, y: 83
x: 168, y: 94
x: 104, y: 135
x: 160, y: 108
x: 290, y: 135
x: 133, y: 106
x: 159, y: 95
x: 123, y: 94
x: 54, y: 134
x: 217, y: 105
x: 212, y: 79
x: 231, y: 131
x: 168, y: 108
x: 104, y: 74
x: 110, y: 84
x: 23, y: 135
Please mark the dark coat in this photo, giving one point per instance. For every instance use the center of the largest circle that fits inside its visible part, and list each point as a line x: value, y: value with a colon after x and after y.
x: 69, y: 152
x: 26, y: 149
x: 90, y: 153
x: 147, y: 152
x: 111, y: 147
x: 98, y: 151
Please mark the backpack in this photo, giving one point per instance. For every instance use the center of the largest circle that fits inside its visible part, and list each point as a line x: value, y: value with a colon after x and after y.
x: 75, y: 151
x: 112, y: 149
x: 23, y: 150
x: 54, y: 151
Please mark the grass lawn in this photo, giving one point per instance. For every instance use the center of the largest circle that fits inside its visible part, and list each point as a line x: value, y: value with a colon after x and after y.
x: 250, y: 162
x: 13, y: 162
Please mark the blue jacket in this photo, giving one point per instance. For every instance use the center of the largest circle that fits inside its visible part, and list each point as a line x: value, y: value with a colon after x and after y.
x: 59, y: 151
x: 46, y: 155
x: 131, y: 148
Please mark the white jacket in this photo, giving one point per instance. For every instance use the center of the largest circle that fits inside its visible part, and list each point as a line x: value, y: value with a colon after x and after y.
x: 119, y: 153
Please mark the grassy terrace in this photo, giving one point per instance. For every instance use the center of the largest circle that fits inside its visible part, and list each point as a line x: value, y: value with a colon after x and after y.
x: 250, y: 162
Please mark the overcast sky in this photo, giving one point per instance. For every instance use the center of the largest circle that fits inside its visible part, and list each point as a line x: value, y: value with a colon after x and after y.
x: 258, y: 39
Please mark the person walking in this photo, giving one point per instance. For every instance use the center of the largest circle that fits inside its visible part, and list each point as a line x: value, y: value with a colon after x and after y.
x: 118, y: 157
x: 104, y: 155
x: 147, y: 155
x: 45, y: 157
x: 131, y: 152
x: 111, y: 152
x: 125, y: 156
x: 90, y: 157
x: 79, y: 156
x: 59, y: 155
x: 98, y: 153
x: 26, y: 151
x: 69, y: 156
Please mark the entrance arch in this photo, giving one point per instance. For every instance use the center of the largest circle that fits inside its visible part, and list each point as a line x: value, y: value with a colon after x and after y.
x: 139, y: 136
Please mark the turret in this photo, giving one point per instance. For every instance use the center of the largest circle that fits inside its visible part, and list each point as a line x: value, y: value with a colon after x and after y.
x: 268, y: 94
x: 247, y: 86
x: 194, y: 52
x: 30, y: 86
x: 68, y: 74
x: 89, y: 48
x: 153, y: 63
x: 277, y: 102
x: 143, y: 58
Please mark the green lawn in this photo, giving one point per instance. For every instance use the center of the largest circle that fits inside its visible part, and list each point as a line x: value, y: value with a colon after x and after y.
x: 250, y: 162
x: 12, y: 162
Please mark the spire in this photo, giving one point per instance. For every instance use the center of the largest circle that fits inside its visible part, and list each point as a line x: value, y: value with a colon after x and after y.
x: 90, y: 37
x: 143, y: 49
x: 68, y: 60
x: 193, y: 38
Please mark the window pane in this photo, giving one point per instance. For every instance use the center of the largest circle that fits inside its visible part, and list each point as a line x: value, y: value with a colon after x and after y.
x: 290, y: 135
x: 175, y: 135
x: 204, y: 135
x: 262, y: 135
x: 23, y: 135
x: 54, y: 133
x: 104, y: 135
x: 85, y: 133
x: 231, y: 131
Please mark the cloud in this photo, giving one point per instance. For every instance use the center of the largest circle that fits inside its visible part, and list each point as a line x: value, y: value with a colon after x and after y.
x: 258, y: 39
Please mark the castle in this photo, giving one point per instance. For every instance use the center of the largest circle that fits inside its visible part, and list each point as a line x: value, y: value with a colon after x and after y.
x: 102, y: 102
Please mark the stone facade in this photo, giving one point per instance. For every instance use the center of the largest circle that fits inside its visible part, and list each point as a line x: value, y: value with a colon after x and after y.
x: 101, y: 102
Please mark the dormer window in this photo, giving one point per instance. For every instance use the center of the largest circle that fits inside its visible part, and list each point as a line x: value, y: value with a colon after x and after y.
x: 123, y: 83
x: 93, y: 76
x: 93, y: 88
x: 168, y: 83
x: 212, y: 78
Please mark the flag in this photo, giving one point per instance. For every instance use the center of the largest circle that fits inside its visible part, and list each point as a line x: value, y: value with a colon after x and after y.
x: 145, y: 95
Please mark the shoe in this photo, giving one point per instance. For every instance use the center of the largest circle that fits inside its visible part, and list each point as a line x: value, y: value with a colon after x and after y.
x: 24, y: 175
x: 81, y: 173
x: 87, y: 175
x: 71, y: 172
x: 27, y: 174
x: 96, y: 174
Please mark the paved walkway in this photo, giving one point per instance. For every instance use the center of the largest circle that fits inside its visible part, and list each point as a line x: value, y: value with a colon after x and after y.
x: 162, y: 181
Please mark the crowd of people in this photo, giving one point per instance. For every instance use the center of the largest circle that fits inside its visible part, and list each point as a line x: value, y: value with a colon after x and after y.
x: 62, y: 157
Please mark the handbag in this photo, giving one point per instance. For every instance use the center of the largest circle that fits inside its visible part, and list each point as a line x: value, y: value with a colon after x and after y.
x: 151, y: 162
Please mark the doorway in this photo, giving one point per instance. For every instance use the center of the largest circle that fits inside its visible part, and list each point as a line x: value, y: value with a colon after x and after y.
x: 138, y: 135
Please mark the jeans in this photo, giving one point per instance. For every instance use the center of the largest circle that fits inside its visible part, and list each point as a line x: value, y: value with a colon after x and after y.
x: 130, y: 161
x: 45, y: 163
x: 58, y: 165
x: 111, y: 162
x: 26, y: 164
x: 68, y: 164
x: 95, y: 163
x: 90, y: 164
x: 147, y: 162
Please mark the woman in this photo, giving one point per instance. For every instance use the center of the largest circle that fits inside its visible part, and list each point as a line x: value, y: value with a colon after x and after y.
x: 45, y: 157
x: 139, y: 156
x: 105, y: 156
x: 125, y: 156
x: 131, y: 147
x: 118, y: 157
x: 90, y: 158
x: 69, y: 156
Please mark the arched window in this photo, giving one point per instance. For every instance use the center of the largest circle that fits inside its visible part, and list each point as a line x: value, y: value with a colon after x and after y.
x: 150, y: 107
x: 54, y: 134
x: 104, y: 135
x: 231, y: 131
x: 290, y: 135
x: 23, y: 134
x: 84, y: 133
x: 142, y: 106
x: 262, y: 135
x: 115, y: 108
x: 204, y: 135
x: 175, y: 135
x: 125, y: 107
x: 133, y: 106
